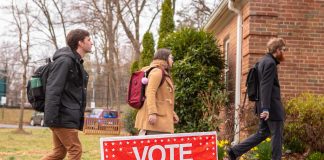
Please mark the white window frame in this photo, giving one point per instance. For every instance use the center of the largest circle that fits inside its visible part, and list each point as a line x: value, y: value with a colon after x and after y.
x: 226, y: 54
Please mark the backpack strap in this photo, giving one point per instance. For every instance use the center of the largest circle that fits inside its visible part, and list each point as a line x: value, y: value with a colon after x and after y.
x: 246, y: 82
x: 147, y: 72
x: 244, y: 98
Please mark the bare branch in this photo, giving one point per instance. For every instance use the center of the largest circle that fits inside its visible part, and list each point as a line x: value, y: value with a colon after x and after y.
x: 142, y: 6
x: 61, y: 15
x: 158, y: 10
x: 43, y: 6
x: 130, y: 10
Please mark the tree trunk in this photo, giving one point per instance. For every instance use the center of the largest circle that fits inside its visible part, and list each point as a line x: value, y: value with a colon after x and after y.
x: 111, y: 48
x: 23, y: 100
x: 131, y: 37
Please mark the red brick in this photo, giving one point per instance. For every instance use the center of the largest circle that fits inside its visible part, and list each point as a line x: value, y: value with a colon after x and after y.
x: 300, y: 23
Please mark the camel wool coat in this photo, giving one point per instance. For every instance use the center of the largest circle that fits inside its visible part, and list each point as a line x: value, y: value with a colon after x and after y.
x: 159, y: 101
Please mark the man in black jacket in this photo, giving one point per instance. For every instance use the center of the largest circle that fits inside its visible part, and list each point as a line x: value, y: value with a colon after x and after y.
x: 65, y: 100
x: 269, y: 108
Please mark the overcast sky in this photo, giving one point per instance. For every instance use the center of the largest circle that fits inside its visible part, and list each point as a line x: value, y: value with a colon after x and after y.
x: 5, y: 26
x: 4, y: 18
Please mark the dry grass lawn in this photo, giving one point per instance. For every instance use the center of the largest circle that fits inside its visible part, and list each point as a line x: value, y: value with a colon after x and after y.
x: 37, y: 144
x: 11, y: 115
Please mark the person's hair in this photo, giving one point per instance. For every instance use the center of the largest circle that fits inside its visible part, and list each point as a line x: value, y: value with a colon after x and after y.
x: 274, y: 44
x: 74, y: 36
x: 162, y: 54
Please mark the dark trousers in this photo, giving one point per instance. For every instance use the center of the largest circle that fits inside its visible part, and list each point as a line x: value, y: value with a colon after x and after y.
x: 65, y: 140
x: 148, y: 132
x: 266, y: 129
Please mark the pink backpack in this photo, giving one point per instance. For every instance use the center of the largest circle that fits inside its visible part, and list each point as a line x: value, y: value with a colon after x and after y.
x: 136, y: 88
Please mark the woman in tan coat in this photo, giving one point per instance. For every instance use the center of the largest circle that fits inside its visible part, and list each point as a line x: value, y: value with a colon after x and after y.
x: 157, y: 115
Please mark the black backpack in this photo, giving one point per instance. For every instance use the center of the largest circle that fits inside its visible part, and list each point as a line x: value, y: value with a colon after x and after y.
x: 36, y: 87
x: 252, y: 85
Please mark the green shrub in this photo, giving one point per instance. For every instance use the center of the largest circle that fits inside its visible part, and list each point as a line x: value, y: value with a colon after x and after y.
x: 292, y: 140
x: 260, y: 152
x: 220, y: 152
x: 221, y: 145
x: 316, y: 156
x: 148, y: 50
x: 305, y: 119
x: 264, y: 150
x: 197, y: 71
x: 129, y: 122
x: 166, y: 22
x: 145, y: 59
x: 134, y: 67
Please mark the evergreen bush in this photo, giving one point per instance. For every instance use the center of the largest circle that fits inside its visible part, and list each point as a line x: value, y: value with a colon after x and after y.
x: 129, y: 122
x: 196, y: 72
x: 166, y: 22
x: 134, y: 67
x: 316, y: 156
x: 148, y: 50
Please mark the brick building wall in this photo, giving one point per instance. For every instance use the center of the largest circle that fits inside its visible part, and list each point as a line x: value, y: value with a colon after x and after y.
x: 228, y: 34
x: 300, y: 23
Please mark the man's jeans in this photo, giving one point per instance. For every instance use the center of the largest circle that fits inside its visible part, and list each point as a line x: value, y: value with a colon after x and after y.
x: 65, y: 140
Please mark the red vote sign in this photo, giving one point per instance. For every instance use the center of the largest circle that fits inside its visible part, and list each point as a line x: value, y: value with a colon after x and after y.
x: 183, y: 146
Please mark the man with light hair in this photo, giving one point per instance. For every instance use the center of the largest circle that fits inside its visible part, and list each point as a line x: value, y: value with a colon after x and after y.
x: 269, y: 108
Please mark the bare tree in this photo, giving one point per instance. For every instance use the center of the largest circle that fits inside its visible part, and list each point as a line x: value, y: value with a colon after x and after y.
x: 60, y: 12
x: 106, y: 18
x: 47, y: 12
x: 23, y: 26
x: 134, y: 38
x: 196, y: 13
x: 102, y: 23
x: 157, y: 11
x: 9, y: 60
x: 113, y: 78
x: 130, y: 20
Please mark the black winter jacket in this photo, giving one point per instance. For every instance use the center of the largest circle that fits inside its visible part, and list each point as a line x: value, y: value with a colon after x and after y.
x: 66, y: 89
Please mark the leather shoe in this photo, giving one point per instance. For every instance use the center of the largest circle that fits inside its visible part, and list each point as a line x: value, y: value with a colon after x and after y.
x: 231, y: 154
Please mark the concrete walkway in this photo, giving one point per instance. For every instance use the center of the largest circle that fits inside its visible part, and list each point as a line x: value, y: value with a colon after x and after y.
x: 16, y: 126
